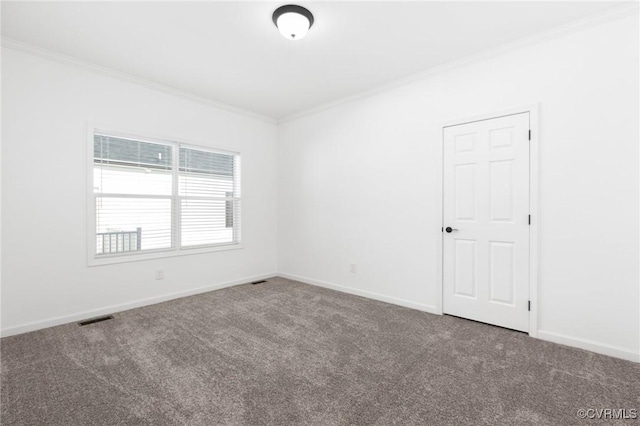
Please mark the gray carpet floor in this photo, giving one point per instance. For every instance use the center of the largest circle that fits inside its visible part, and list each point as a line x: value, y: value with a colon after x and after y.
x: 288, y: 353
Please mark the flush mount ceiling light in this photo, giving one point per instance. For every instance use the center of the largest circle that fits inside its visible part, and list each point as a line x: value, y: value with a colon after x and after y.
x: 292, y: 21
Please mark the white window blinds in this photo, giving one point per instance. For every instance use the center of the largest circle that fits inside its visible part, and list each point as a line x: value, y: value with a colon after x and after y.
x: 146, y: 199
x: 209, y: 192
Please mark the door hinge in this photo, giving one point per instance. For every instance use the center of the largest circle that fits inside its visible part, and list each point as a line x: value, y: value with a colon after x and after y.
x: 529, y: 134
x: 529, y: 219
x: 529, y: 306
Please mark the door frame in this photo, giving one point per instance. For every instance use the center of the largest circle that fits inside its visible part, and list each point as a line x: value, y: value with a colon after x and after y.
x: 534, y: 210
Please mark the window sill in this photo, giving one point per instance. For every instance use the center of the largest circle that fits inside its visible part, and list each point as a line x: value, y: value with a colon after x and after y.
x: 137, y: 257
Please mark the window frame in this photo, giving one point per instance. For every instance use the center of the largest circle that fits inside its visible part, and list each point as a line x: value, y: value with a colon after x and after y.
x: 94, y: 259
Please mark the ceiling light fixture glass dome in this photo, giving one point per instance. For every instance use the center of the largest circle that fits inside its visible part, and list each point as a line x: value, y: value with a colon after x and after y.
x: 292, y: 21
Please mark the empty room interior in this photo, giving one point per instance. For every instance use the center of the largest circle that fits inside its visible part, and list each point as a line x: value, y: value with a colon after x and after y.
x: 322, y: 213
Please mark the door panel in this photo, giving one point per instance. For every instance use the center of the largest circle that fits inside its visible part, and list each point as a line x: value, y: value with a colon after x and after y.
x: 501, y: 192
x: 486, y: 202
x: 501, y: 278
x: 465, y: 268
x: 465, y: 196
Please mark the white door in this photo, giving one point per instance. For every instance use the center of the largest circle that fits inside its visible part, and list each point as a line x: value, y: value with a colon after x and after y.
x: 486, y: 221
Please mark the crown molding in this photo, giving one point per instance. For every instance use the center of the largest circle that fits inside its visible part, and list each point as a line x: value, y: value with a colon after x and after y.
x: 626, y: 10
x: 13, y: 44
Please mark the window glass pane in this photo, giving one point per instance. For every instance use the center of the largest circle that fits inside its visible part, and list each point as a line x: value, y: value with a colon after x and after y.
x: 112, y: 150
x: 206, y: 174
x: 209, y: 191
x: 132, y: 224
x: 123, y: 166
x: 117, y: 179
x: 196, y: 160
x: 203, y: 185
x: 208, y: 221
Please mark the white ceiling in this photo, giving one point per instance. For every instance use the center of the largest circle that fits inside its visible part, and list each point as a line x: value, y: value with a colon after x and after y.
x: 231, y: 52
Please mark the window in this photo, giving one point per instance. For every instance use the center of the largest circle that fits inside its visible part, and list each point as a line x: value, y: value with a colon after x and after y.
x: 153, y: 196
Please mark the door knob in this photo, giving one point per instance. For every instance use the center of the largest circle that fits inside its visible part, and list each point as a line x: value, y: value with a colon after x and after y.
x: 450, y: 229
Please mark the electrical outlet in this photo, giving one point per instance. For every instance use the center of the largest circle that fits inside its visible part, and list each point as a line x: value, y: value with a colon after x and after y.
x: 353, y: 268
x: 159, y: 274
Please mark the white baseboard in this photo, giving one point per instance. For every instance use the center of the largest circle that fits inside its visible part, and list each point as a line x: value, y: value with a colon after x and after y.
x: 541, y: 334
x: 549, y: 336
x: 368, y: 294
x: 589, y: 345
x: 37, y: 325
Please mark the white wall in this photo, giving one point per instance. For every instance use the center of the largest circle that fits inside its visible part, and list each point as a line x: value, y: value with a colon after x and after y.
x: 358, y: 183
x: 45, y: 277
